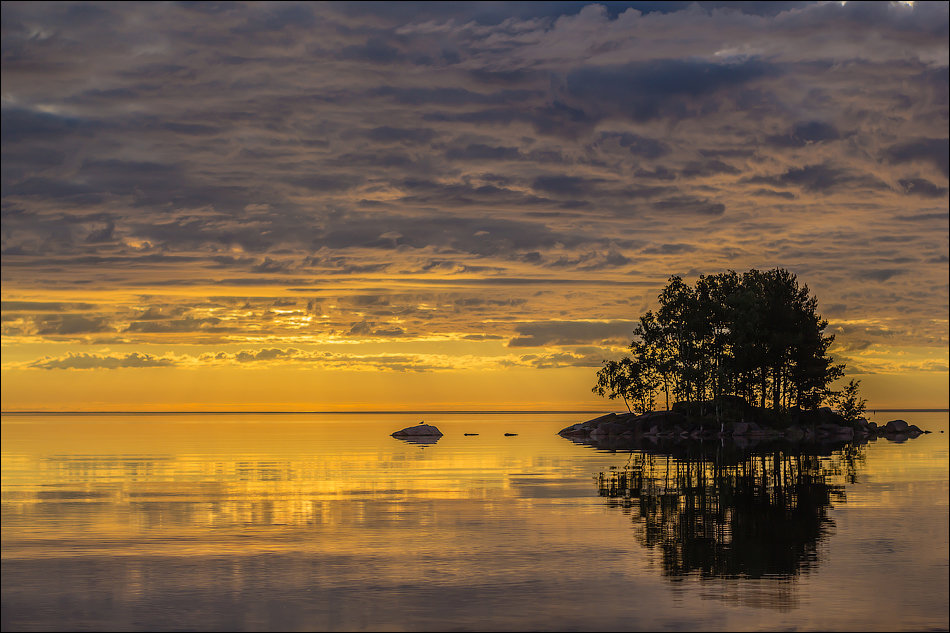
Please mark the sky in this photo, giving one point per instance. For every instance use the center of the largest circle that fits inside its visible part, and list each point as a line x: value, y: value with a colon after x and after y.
x: 410, y: 206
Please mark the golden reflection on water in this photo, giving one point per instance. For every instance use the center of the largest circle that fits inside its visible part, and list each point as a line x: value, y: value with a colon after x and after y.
x: 151, y: 485
x: 139, y: 514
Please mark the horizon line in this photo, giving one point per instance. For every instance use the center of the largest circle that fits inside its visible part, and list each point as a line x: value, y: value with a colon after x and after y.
x: 390, y: 412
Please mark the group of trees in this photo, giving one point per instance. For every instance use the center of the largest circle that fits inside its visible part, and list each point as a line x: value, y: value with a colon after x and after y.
x: 757, y: 335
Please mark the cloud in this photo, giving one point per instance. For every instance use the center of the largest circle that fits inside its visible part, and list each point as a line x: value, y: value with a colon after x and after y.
x: 44, y: 306
x: 921, y: 187
x: 690, y: 205
x: 459, y: 171
x: 805, y: 133
x: 935, y: 151
x: 103, y: 361
x: 386, y: 134
x: 71, y: 324
x: 821, y: 178
x: 664, y: 88
x: 571, y: 333
x: 880, y: 274
x: 557, y: 360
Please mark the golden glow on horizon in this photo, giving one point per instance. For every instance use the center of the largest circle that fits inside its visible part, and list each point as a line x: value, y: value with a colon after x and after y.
x: 357, y: 230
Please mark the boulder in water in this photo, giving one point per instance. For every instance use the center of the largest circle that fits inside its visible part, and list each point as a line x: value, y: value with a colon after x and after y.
x: 895, y: 426
x: 419, y: 430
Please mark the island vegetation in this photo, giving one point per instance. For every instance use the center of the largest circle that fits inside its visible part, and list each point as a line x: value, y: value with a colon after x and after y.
x: 757, y: 336
x: 734, y: 354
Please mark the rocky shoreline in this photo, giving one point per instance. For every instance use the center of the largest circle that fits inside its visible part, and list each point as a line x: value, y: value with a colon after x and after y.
x: 823, y: 426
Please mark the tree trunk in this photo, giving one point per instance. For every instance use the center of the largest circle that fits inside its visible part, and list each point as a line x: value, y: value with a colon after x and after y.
x: 776, y: 388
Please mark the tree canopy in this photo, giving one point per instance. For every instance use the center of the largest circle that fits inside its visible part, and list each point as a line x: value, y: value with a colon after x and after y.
x: 757, y: 335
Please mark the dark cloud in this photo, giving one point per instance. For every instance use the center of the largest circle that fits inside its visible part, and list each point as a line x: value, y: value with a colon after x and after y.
x: 480, y: 151
x: 880, y: 274
x: 935, y: 151
x: 571, y: 333
x: 668, y: 88
x: 266, y: 354
x: 709, y: 167
x: 820, y: 178
x: 637, y: 145
x: 409, y: 136
x: 806, y: 132
x: 373, y: 329
x: 571, y: 186
x: 669, y: 249
x: 923, y: 217
x: 71, y: 324
x: 375, y: 50
x: 922, y: 187
x: 186, y: 324
x: 691, y: 206
x: 23, y: 125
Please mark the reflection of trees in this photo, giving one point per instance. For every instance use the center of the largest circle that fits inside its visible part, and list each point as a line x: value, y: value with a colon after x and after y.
x: 755, y: 516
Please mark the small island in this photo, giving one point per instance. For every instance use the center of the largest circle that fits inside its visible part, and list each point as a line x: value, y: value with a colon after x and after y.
x: 738, y: 422
x: 743, y: 357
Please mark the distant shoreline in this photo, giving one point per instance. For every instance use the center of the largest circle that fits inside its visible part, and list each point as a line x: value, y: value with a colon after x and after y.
x: 374, y: 412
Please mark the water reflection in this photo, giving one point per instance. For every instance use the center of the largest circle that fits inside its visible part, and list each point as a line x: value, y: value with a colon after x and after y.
x: 732, y: 514
x: 420, y: 439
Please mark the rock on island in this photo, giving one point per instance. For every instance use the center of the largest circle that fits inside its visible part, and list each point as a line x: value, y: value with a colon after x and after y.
x: 740, y: 422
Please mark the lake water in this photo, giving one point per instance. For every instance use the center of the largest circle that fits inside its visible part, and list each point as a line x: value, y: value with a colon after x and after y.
x: 325, y: 522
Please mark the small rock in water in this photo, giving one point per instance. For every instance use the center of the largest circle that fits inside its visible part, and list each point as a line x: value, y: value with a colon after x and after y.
x: 470, y: 434
x: 509, y: 434
x: 417, y: 430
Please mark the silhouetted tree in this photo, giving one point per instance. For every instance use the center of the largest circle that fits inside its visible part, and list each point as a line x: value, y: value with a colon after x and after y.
x: 757, y: 335
x: 613, y: 381
x: 849, y: 403
x: 635, y: 381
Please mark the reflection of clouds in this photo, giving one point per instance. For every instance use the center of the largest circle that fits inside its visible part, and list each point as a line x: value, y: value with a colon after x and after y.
x: 343, y: 486
x: 424, y: 440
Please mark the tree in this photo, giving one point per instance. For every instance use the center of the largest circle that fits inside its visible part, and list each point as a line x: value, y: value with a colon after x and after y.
x: 758, y: 336
x: 849, y: 404
x: 635, y: 381
x: 613, y: 381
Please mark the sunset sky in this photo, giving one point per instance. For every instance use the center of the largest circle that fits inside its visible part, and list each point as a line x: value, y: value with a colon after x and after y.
x: 296, y: 206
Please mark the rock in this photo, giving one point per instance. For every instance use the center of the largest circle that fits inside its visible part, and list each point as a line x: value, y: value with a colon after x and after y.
x: 612, y: 428
x: 895, y: 426
x: 510, y: 434
x: 604, y: 418
x: 578, y: 429
x: 418, y: 430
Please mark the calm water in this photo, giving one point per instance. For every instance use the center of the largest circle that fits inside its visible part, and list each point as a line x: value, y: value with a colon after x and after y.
x: 325, y: 522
